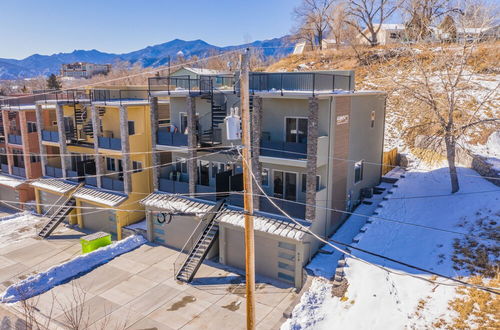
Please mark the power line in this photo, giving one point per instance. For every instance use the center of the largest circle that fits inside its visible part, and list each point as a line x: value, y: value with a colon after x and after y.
x: 483, y: 288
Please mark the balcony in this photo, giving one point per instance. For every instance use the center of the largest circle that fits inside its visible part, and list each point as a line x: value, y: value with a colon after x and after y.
x: 174, y: 187
x: 294, y: 209
x: 15, y: 139
x: 112, y: 184
x: 50, y: 136
x: 19, y: 171
x: 72, y: 175
x: 292, y: 154
x: 54, y: 172
x: 5, y: 168
x: 206, y: 192
x: 171, y: 139
x: 110, y: 143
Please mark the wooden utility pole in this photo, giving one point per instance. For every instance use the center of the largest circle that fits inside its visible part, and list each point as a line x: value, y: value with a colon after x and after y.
x: 248, y: 195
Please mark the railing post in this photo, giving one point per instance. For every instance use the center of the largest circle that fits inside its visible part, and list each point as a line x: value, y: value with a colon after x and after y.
x: 314, y: 83
x: 333, y: 83
x: 281, y: 83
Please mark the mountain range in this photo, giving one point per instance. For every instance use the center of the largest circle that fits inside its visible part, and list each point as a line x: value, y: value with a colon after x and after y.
x: 151, y: 56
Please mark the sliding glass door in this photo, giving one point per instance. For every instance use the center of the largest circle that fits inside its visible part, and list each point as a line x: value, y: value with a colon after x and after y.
x: 285, y: 185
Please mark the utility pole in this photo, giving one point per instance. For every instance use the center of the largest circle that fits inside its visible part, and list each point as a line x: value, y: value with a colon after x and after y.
x: 248, y: 194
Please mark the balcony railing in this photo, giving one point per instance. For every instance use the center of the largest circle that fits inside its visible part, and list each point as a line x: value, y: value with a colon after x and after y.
x: 15, y: 139
x: 288, y: 150
x: 92, y: 181
x: 206, y: 192
x: 72, y: 95
x: 50, y: 136
x: 118, y: 95
x: 54, y: 172
x: 171, y: 139
x: 19, y: 171
x: 72, y: 175
x: 300, y: 82
x: 112, y: 184
x: 110, y: 143
x: 201, y: 85
x: 294, y: 209
x: 174, y: 187
x: 5, y: 168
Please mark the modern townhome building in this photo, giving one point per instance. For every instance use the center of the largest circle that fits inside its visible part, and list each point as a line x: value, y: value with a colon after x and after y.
x: 316, y: 146
x: 19, y: 153
x: 84, y: 69
x: 98, y: 144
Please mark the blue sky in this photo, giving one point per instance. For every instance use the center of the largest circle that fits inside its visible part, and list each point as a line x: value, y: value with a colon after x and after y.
x: 119, y: 26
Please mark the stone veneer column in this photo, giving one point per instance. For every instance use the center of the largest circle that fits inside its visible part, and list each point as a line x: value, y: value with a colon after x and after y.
x: 6, y: 130
x: 126, y: 162
x: 41, y: 146
x: 256, y: 136
x: 63, y: 147
x: 23, y: 126
x: 155, y: 159
x: 312, y: 155
x: 99, y: 159
x: 192, y: 144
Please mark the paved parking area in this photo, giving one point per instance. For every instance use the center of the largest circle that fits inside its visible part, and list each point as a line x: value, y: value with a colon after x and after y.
x: 138, y: 291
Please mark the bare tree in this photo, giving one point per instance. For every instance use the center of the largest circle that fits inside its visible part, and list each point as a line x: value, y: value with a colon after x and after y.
x: 312, y: 17
x: 339, y: 29
x: 367, y: 16
x: 421, y: 15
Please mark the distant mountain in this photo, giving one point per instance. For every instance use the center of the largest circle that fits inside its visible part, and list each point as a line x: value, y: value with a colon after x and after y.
x: 150, y: 56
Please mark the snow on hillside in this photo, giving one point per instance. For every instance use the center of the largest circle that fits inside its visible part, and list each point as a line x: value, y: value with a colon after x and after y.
x: 18, y: 226
x: 376, y: 299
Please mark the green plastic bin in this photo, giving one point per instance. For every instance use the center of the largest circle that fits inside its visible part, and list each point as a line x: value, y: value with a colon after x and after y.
x: 94, y: 241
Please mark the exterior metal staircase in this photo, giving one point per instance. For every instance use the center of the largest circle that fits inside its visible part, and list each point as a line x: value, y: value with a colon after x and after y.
x: 59, y: 215
x: 200, y: 250
x: 218, y: 114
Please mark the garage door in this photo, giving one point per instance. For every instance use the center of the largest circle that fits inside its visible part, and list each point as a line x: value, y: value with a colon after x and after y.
x: 47, y: 199
x: 98, y: 220
x: 9, y: 195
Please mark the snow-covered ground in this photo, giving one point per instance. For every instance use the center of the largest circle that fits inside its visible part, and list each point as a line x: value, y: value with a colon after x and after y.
x: 377, y: 299
x: 82, y: 264
x: 18, y: 226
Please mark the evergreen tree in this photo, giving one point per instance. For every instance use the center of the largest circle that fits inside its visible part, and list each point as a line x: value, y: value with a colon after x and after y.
x: 53, y: 83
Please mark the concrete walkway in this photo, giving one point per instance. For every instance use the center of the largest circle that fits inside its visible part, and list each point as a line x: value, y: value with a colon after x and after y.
x: 138, y: 291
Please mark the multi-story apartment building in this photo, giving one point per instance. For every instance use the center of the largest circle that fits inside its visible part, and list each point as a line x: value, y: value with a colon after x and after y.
x: 84, y: 69
x: 19, y: 153
x: 101, y: 140
x: 316, y: 145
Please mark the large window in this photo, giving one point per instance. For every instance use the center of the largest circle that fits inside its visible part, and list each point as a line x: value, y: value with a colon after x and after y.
x: 358, y: 171
x: 181, y: 165
x: 265, y: 177
x: 296, y: 130
x: 31, y: 127
x: 285, y: 185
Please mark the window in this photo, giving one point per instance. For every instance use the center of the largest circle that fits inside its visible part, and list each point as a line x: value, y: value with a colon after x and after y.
x: 110, y: 164
x: 131, y: 128
x: 286, y: 277
x: 394, y: 35
x: 296, y: 130
x: 304, y: 182
x: 286, y: 256
x: 34, y: 158
x: 184, y: 123
x: 31, y: 127
x: 285, y: 266
x: 265, y: 177
x: 285, y: 185
x: 358, y: 171
x: 238, y: 169
x: 372, y: 119
x: 137, y: 166
x: 217, y: 168
x: 287, y: 246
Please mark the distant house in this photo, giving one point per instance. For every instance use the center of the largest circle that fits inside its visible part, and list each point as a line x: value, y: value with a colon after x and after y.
x: 387, y: 34
x: 84, y: 69
x: 195, y: 73
x: 303, y: 46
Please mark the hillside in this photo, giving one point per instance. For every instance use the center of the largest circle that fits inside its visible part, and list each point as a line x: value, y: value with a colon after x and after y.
x: 151, y: 56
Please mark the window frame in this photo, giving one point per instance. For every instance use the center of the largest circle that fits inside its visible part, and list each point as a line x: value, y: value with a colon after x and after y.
x: 362, y: 165
x: 296, y: 128
x: 284, y: 179
x: 303, y: 183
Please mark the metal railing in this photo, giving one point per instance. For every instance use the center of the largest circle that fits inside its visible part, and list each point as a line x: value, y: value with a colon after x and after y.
x: 118, y: 95
x: 15, y: 139
x: 171, y: 139
x: 112, y: 184
x: 294, y: 209
x: 53, y: 171
x: 109, y: 143
x: 300, y: 81
x: 19, y: 171
x: 174, y: 187
x: 44, y: 96
x: 200, y: 85
x: 5, y: 168
x: 288, y: 150
x: 72, y: 175
x: 50, y: 136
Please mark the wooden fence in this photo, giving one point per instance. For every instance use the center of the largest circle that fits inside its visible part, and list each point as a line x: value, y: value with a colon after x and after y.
x: 389, y: 160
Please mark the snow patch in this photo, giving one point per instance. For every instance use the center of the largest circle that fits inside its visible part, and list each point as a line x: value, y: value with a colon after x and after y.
x: 60, y: 274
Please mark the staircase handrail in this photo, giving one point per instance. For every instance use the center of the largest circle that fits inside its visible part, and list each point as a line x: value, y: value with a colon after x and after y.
x: 63, y: 204
x: 208, y: 222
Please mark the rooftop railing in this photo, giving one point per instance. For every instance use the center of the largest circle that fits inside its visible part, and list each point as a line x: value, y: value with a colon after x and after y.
x: 300, y: 82
x: 44, y: 96
x: 118, y: 95
x: 200, y: 85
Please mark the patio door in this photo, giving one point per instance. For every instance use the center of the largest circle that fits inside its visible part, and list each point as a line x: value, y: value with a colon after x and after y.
x: 285, y: 185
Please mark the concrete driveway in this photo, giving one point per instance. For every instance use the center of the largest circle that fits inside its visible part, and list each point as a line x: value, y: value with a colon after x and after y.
x: 138, y: 291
